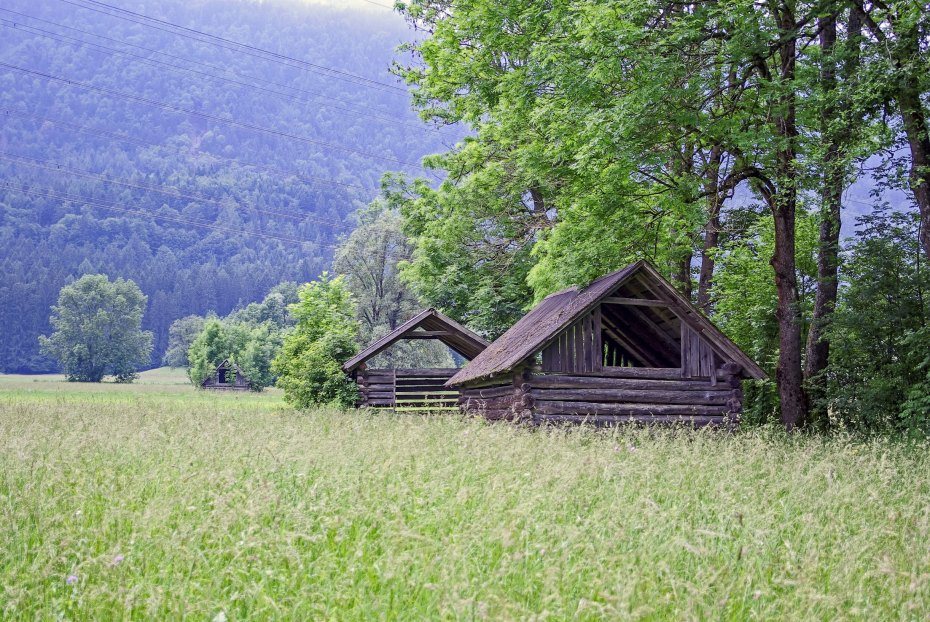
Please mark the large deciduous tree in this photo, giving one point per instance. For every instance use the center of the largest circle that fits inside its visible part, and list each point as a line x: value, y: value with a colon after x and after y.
x: 98, y: 330
x: 900, y: 33
x: 308, y: 365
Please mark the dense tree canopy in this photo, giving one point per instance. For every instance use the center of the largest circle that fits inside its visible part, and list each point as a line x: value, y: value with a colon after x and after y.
x: 217, y: 213
x: 308, y: 365
x: 611, y: 131
x: 98, y: 330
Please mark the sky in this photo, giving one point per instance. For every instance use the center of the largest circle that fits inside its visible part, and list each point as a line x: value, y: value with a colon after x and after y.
x: 375, y: 7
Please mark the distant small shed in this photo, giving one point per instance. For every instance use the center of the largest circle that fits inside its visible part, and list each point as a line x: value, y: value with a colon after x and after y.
x: 413, y: 389
x: 226, y: 377
x: 629, y: 347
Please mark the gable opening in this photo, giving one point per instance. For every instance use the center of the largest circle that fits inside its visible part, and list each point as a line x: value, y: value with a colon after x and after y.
x: 631, y: 327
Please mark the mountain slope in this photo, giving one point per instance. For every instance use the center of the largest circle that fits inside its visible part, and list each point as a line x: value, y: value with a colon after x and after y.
x: 205, y: 174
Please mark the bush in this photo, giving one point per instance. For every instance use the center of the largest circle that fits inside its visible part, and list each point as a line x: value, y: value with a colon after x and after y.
x: 98, y: 330
x: 309, y: 364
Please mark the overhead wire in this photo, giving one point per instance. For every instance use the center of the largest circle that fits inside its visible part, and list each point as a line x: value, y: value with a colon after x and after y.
x: 229, y: 44
x: 52, y: 194
x: 208, y: 116
x: 52, y: 166
x: 220, y: 42
x: 314, y: 97
x: 309, y: 179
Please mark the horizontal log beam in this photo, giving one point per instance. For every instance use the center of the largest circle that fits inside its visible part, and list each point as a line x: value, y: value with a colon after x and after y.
x: 428, y: 372
x: 696, y: 421
x: 594, y: 382
x: 652, y: 373
x: 636, y: 302
x: 490, y: 402
x: 706, y: 398
x: 489, y: 392
x: 557, y: 407
x: 427, y: 334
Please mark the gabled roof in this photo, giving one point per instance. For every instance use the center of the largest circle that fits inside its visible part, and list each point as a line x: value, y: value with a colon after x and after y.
x: 453, y: 334
x: 227, y: 365
x: 558, y: 311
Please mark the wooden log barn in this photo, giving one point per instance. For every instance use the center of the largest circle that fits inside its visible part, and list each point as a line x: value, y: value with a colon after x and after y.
x: 226, y: 377
x: 627, y: 348
x: 413, y: 389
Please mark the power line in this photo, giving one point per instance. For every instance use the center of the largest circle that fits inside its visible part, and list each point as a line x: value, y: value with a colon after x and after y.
x: 386, y: 6
x: 48, y: 165
x: 204, y: 115
x: 229, y: 44
x: 50, y: 194
x: 310, y: 179
x: 314, y: 97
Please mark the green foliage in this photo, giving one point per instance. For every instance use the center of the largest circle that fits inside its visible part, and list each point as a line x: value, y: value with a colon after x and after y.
x: 273, y: 309
x: 308, y: 365
x: 746, y: 300
x: 181, y: 335
x: 173, y: 503
x: 250, y: 346
x: 240, y: 180
x: 878, y: 376
x: 472, y: 251
x: 370, y: 260
x: 98, y: 330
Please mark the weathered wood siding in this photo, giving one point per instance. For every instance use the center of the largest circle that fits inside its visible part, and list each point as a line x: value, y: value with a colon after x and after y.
x: 577, y: 348
x: 697, y: 356
x: 612, y: 396
x: 406, y: 389
x: 240, y: 383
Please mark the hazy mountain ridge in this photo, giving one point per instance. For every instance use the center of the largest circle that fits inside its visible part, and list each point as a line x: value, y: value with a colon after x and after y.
x: 57, y: 224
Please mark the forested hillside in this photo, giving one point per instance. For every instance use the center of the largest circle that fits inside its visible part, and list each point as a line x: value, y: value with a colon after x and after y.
x: 206, y: 173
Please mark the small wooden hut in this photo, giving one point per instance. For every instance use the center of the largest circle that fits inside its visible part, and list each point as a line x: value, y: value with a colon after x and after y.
x: 413, y: 389
x: 226, y: 377
x: 629, y: 347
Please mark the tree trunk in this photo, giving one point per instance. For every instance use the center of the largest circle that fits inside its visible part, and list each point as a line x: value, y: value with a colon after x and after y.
x: 788, y: 375
x: 683, y: 273
x: 818, y: 344
x: 918, y: 140
x: 712, y: 230
x: 905, y: 47
x: 783, y: 203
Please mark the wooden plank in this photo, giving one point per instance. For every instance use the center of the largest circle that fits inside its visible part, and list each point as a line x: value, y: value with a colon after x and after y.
x: 585, y: 343
x: 437, y: 372
x: 654, y: 396
x: 598, y: 408
x: 571, y: 343
x: 635, y: 302
x: 547, y: 358
x: 694, y: 354
x: 561, y: 381
x: 598, y: 357
x: 489, y: 392
x: 427, y: 334
x: 683, y: 336
x: 696, y: 421
x: 421, y: 382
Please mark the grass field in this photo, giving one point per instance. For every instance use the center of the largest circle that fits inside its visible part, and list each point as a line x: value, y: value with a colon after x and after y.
x: 155, y: 501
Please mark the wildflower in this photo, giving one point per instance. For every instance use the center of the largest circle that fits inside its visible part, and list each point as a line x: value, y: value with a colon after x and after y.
x: 117, y: 560
x: 72, y: 579
x: 220, y: 617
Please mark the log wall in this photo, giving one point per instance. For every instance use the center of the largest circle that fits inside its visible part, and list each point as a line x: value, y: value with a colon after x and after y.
x: 406, y: 389
x: 639, y: 395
